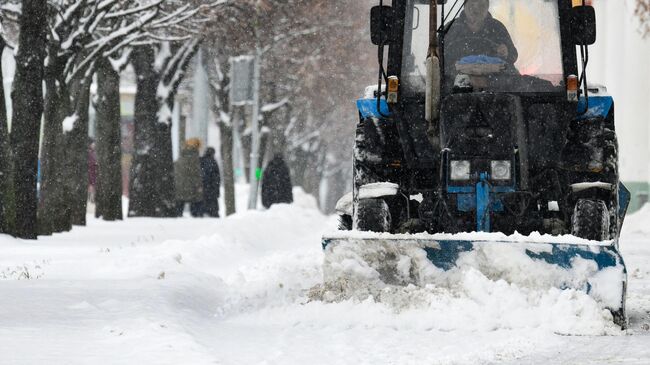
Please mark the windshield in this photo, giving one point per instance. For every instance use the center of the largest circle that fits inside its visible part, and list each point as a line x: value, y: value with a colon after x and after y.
x: 507, y: 45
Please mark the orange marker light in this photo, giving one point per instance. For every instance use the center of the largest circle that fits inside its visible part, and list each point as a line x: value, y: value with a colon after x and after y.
x: 579, y: 3
x: 393, y: 89
x: 572, y: 88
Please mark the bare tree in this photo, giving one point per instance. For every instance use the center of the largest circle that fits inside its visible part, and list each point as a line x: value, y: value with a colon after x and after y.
x: 160, y: 64
x: 81, y: 32
x: 7, y: 213
x: 220, y: 87
x: 108, y: 198
x: 27, y: 97
x: 9, y: 19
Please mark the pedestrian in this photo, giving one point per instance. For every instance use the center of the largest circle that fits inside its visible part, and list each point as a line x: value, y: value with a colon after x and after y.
x: 276, y: 183
x: 211, y: 183
x: 187, y: 177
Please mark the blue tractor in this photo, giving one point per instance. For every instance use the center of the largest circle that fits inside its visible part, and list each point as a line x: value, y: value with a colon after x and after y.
x: 483, y: 121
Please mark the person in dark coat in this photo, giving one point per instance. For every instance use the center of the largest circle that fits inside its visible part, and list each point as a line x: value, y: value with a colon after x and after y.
x: 187, y: 177
x: 276, y: 183
x: 211, y: 183
x: 476, y: 32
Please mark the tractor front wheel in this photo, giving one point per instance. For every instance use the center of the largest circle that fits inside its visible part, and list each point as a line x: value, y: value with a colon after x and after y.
x: 591, y: 220
x: 372, y: 215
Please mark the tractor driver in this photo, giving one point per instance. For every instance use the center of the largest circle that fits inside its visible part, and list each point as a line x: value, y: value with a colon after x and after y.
x: 476, y: 32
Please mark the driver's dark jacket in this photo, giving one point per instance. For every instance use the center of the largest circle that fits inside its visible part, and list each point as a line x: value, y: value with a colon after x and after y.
x: 493, y: 31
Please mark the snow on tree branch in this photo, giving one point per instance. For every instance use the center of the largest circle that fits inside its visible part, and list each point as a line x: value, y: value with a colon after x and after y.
x: 268, y: 108
x: 173, y: 71
x: 122, y: 13
x: 81, y: 31
x: 101, y: 42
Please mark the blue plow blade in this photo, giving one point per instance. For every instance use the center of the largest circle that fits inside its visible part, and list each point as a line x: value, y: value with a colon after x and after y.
x: 596, y: 268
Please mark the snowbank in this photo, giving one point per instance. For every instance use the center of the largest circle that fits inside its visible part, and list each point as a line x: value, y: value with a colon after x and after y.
x: 249, y: 290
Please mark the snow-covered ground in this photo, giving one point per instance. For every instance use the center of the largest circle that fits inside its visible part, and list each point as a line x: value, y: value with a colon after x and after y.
x: 241, y: 291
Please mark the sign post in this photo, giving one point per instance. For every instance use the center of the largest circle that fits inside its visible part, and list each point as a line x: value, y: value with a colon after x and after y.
x: 244, y: 90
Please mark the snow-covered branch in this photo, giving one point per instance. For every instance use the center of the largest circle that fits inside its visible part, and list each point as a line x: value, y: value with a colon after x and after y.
x: 107, y: 42
x: 173, y: 72
x: 123, y: 13
x: 268, y: 108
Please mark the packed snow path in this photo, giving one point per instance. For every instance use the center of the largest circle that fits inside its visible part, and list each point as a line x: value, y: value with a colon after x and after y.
x: 236, y: 291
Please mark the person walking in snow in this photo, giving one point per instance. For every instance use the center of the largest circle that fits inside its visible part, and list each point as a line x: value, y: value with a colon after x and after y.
x: 276, y: 183
x: 187, y: 177
x: 211, y: 183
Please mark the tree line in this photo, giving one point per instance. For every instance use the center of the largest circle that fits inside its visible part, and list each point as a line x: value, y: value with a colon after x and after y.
x: 60, y: 46
x: 315, y: 60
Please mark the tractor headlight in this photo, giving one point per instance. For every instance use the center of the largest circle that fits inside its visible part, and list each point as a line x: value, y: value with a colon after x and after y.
x: 460, y: 170
x: 500, y: 170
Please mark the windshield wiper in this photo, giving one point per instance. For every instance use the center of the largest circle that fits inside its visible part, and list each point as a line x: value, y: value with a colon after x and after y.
x: 444, y: 29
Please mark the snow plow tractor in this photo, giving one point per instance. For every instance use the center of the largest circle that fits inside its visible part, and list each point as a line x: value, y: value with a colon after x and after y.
x: 484, y: 146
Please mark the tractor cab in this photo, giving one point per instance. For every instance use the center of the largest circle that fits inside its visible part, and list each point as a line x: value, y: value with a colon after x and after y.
x: 515, y: 47
x: 493, y: 45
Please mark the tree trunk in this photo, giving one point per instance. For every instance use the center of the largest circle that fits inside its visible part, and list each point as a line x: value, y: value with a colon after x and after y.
x: 221, y: 106
x: 27, y: 98
x: 143, y: 197
x: 54, y: 207
x: 165, y: 164
x: 76, y: 153
x: 108, y: 199
x: 7, y: 199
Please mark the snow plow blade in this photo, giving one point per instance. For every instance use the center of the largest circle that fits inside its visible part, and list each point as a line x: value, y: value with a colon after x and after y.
x: 536, y: 262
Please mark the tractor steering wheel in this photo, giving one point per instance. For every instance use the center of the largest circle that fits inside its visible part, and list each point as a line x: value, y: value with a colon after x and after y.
x: 470, y: 46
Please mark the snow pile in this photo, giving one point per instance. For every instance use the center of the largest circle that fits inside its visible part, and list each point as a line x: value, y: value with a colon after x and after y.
x: 492, y: 287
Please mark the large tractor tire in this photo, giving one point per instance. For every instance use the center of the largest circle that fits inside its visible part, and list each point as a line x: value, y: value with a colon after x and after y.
x: 368, y: 214
x: 372, y: 215
x: 591, y: 220
x: 368, y: 151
